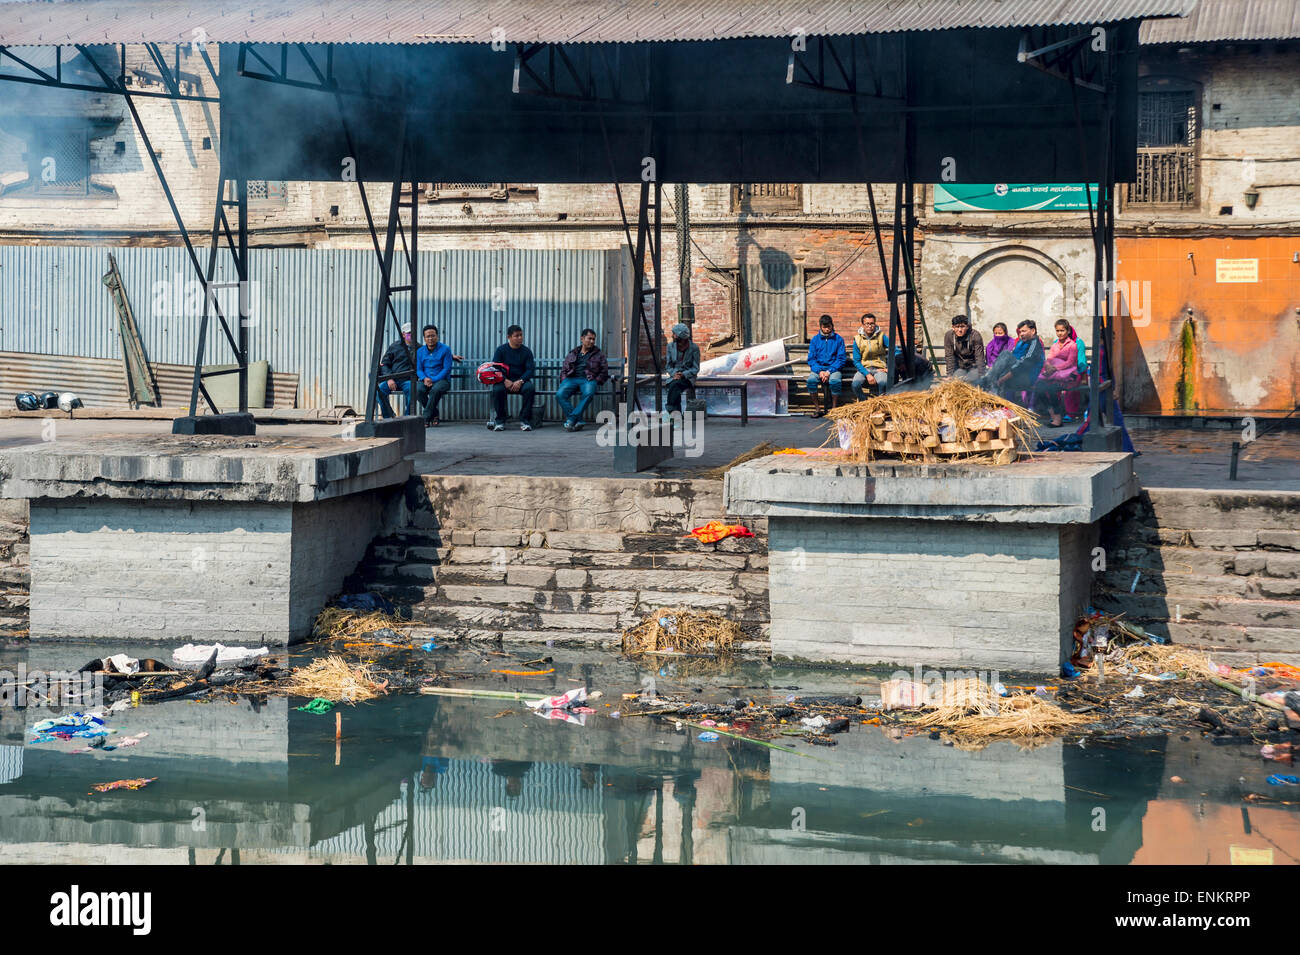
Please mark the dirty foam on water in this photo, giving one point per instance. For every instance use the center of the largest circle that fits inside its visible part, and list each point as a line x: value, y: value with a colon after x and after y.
x: 446, y: 779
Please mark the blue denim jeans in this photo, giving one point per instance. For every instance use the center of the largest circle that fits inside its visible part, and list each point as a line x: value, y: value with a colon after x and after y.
x: 814, y: 381
x: 570, y: 386
x: 403, y: 385
x: 879, y: 375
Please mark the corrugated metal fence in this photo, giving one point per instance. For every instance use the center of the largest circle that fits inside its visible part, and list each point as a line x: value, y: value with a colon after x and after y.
x: 469, y: 817
x: 311, y: 310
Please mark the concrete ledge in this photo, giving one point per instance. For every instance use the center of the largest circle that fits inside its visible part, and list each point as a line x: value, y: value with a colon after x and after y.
x: 1071, y: 488
x: 232, y: 423
x: 201, y: 468
x: 408, y: 429
x: 642, y: 446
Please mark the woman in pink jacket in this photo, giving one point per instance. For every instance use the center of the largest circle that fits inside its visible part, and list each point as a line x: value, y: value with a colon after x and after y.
x: 1060, y: 371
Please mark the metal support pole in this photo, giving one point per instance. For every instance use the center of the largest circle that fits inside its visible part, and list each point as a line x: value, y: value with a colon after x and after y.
x: 685, y: 309
x: 657, y: 261
x: 384, y: 304
x: 413, y: 268
x: 637, y: 318
x: 241, y: 273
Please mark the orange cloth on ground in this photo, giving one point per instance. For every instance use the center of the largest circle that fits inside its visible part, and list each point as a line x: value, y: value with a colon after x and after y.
x: 715, y: 531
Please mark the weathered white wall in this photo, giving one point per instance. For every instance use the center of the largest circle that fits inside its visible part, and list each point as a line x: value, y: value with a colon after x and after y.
x: 237, y: 572
x: 1006, y: 279
x: 918, y: 592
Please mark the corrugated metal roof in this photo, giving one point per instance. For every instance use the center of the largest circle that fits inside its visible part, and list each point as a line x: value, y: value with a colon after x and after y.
x: 1215, y: 20
x: 532, y: 21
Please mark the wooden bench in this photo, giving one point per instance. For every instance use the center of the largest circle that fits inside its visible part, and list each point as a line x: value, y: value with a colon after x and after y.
x: 739, y: 382
x: 546, y: 375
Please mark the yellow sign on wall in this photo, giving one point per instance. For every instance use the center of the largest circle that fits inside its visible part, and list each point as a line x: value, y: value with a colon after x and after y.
x: 1236, y: 270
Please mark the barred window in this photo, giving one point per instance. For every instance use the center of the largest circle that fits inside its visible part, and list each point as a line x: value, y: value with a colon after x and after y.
x: 59, y: 163
x: 267, y: 191
x: 767, y: 197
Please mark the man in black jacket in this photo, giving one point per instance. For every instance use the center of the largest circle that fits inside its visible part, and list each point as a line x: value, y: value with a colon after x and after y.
x: 395, y: 372
x: 520, y: 366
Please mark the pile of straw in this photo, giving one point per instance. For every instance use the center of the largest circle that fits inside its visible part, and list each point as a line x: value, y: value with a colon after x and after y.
x: 1157, y: 658
x: 757, y: 451
x: 917, y: 415
x: 975, y: 714
x: 681, y: 630
x: 333, y: 678
x: 334, y: 622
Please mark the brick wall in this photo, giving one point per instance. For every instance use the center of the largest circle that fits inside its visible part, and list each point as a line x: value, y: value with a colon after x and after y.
x: 1249, y: 109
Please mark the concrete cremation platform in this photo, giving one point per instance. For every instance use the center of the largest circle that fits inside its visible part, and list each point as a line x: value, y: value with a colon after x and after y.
x: 196, y: 538
x: 918, y: 565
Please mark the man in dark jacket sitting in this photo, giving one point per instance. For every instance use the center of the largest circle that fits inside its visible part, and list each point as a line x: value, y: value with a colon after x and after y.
x: 963, y: 349
x: 584, y: 370
x: 520, y: 367
x: 395, y: 372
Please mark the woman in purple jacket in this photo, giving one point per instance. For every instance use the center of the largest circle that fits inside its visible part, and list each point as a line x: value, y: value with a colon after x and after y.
x: 999, y: 343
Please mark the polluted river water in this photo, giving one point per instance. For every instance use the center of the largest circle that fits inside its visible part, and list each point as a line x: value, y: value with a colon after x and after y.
x: 408, y: 778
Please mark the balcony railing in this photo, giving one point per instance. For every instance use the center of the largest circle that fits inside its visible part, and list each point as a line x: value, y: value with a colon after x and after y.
x: 1166, y: 176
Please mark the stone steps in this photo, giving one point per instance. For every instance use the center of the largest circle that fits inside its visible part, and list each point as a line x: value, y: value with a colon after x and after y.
x: 15, y: 566
x: 583, y: 586
x: 1218, y: 570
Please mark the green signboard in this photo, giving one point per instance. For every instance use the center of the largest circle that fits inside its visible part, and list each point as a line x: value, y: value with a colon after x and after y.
x: 1013, y: 197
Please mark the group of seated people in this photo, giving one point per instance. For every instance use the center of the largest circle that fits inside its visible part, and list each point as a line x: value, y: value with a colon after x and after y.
x: 512, y: 371
x: 1018, y: 369
x: 1021, y: 369
x: 869, y: 352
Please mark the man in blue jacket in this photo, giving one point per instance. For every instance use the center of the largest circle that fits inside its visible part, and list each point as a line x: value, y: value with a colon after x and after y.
x: 825, y: 358
x: 433, y: 362
x: 520, y: 366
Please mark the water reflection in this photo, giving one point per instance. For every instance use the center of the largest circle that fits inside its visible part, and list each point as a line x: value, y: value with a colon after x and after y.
x: 427, y: 779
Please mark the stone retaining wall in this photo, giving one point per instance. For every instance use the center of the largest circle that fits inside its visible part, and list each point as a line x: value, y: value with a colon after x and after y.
x: 568, y: 559
x: 1208, y: 568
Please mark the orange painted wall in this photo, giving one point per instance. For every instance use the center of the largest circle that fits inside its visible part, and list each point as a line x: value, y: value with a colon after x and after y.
x: 1185, y: 832
x: 1247, y: 334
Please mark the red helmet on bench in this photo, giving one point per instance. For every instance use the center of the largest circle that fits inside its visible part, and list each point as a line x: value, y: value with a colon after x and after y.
x: 492, y: 373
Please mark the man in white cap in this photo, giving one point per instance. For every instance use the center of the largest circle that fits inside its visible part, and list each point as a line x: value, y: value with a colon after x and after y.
x: 395, y: 372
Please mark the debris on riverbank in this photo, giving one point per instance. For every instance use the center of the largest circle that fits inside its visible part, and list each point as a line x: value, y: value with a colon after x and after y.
x: 974, y: 712
x: 682, y: 630
x: 1143, y: 688
x: 333, y: 678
